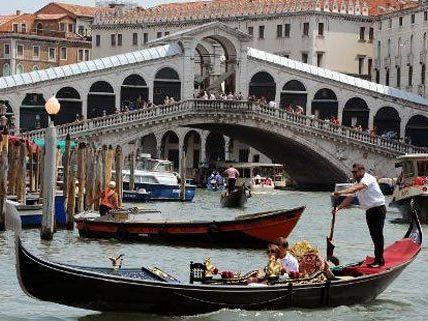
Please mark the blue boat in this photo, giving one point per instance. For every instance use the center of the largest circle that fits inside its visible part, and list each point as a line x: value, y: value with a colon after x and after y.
x: 155, y: 176
x: 31, y: 215
x: 135, y: 196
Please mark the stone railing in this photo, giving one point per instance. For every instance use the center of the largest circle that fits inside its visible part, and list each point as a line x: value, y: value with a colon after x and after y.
x: 197, y: 106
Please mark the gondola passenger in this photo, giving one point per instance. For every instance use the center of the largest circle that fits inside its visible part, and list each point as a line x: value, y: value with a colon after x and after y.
x: 109, y: 199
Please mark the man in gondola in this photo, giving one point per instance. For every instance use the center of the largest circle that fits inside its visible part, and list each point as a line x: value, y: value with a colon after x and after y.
x: 232, y: 175
x: 372, y: 201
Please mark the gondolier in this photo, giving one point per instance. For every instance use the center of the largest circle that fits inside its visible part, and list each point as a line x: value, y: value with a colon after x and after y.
x: 373, y: 202
x: 232, y: 175
x: 109, y: 199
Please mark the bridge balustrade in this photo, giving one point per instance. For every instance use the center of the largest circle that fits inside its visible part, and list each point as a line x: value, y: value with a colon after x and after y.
x: 236, y: 106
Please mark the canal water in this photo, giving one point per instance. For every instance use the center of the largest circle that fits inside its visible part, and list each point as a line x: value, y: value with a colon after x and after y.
x: 406, y: 298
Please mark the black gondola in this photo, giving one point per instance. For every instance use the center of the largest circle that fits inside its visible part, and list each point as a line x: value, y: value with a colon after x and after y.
x: 235, y: 198
x: 153, y: 291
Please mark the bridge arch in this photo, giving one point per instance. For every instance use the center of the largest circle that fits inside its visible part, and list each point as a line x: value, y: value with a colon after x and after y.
x: 149, y: 145
x: 32, y: 112
x: 215, y: 148
x: 356, y: 113
x: 325, y: 104
x: 192, y: 145
x: 203, y: 66
x: 170, y: 148
x: 294, y: 93
x: 101, y: 99
x: 166, y: 83
x: 417, y: 130
x: 262, y: 84
x: 134, y: 92
x: 71, y: 105
x: 387, y: 119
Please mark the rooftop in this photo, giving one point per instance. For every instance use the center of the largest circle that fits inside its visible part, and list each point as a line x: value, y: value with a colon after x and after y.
x: 216, y: 9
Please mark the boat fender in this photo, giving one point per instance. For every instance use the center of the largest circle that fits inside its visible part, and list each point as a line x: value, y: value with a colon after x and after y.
x: 213, y: 228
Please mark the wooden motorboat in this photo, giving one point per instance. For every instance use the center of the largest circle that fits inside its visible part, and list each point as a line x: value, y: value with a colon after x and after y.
x: 154, y: 291
x: 235, y: 198
x: 244, y: 231
x: 135, y: 196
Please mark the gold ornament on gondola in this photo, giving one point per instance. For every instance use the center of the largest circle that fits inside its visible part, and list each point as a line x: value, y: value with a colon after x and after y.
x: 274, y: 267
x: 210, y: 269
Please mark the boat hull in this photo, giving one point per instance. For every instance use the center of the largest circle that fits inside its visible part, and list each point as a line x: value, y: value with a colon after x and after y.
x: 103, y: 292
x: 249, y: 231
x: 236, y: 198
x: 135, y: 197
x: 165, y: 192
x: 421, y: 205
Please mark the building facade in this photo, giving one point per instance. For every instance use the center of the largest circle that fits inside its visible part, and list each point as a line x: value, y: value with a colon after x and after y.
x: 401, y: 49
x: 305, y: 31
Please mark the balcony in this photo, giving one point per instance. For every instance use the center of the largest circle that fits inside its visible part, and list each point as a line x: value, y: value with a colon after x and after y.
x: 410, y: 59
x: 387, y: 62
x: 398, y: 60
x: 421, y: 89
x: 423, y: 57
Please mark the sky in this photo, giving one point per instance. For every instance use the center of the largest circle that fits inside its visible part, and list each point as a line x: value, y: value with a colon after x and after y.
x: 7, y: 6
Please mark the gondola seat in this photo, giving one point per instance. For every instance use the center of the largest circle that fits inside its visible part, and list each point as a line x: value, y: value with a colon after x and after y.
x: 397, y: 253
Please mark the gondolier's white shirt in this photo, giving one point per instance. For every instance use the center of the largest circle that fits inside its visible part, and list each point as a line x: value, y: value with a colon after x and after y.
x: 371, y: 196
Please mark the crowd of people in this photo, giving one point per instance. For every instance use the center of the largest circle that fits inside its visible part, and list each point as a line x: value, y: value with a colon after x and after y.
x: 213, y: 95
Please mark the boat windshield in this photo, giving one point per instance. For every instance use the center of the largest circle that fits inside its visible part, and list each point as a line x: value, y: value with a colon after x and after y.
x: 154, y: 165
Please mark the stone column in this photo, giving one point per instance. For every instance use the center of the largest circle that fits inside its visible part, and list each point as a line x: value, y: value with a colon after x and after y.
x: 188, y: 76
x: 242, y: 72
x: 202, y: 153
x: 226, y: 148
x: 12, y: 56
x: 85, y: 107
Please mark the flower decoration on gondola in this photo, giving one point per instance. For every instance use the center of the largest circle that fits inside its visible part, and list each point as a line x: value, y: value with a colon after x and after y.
x: 274, y: 268
x: 210, y: 269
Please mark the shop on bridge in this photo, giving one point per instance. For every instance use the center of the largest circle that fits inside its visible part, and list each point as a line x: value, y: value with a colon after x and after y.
x: 134, y: 92
x: 32, y: 112
x: 262, y: 84
x: 387, y: 120
x: 356, y: 113
x: 167, y: 83
x: 71, y: 105
x: 293, y: 94
x: 101, y: 100
x: 417, y: 131
x: 325, y: 104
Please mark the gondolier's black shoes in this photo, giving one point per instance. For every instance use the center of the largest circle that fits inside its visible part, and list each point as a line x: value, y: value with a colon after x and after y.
x: 377, y: 263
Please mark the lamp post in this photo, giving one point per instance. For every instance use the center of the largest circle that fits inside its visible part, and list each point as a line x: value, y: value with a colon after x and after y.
x: 52, y: 107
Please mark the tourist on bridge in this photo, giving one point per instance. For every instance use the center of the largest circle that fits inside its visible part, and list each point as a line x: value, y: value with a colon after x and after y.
x: 372, y: 200
x: 232, y: 175
x: 109, y: 199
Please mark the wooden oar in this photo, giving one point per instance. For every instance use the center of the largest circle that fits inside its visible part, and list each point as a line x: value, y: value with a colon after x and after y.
x: 330, y: 244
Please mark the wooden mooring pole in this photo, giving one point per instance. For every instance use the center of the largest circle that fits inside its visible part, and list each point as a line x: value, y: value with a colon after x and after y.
x: 21, y: 172
x: 71, y: 190
x: 131, y: 171
x: 118, y: 167
x: 183, y: 175
x: 3, y: 180
x: 81, y: 176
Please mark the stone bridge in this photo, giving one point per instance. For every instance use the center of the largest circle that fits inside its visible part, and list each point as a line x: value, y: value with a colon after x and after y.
x: 315, y: 152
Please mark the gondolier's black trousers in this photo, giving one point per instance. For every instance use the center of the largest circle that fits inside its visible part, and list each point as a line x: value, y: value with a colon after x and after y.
x: 375, y: 218
x: 231, y: 182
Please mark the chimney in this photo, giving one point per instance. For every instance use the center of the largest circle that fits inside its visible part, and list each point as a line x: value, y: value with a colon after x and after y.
x: 18, y: 12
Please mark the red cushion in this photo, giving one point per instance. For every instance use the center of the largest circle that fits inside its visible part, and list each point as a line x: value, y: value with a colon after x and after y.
x: 397, y: 253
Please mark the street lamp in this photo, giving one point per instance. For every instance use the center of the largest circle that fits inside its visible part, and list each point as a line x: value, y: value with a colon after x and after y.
x: 52, y: 107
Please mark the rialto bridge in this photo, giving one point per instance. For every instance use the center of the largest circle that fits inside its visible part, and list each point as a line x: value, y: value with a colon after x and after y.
x: 314, y: 151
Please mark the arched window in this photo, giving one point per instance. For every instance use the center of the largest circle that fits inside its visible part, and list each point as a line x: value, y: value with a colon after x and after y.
x: 6, y: 70
x: 19, y: 69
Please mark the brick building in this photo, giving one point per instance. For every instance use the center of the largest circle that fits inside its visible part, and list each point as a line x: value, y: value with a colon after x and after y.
x: 57, y: 34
